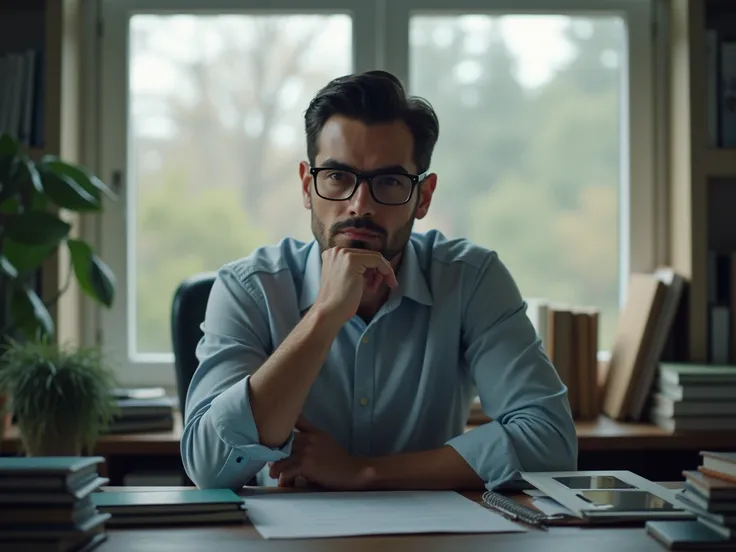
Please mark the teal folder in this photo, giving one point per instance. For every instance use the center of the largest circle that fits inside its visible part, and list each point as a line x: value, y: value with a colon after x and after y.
x: 168, y: 501
x: 47, y: 465
x: 688, y: 535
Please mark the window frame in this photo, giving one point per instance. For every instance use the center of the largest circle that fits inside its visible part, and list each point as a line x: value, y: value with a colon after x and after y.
x: 380, y: 40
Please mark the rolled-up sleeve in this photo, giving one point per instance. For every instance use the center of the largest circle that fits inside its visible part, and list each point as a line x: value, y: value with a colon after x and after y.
x: 220, y: 445
x: 519, y: 389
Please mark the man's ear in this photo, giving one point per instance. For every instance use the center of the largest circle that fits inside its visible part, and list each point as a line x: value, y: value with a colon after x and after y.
x: 426, y: 189
x: 306, y: 179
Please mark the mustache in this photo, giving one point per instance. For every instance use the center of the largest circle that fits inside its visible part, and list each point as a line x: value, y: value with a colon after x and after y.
x: 357, y: 224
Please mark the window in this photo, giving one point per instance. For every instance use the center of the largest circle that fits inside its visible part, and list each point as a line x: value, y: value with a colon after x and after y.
x: 215, y: 136
x: 545, y: 129
x: 529, y: 151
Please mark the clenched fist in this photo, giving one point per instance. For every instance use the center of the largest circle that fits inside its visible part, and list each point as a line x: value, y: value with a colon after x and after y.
x: 345, y: 274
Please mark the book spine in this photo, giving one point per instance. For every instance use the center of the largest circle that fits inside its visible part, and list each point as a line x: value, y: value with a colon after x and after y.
x: 728, y: 94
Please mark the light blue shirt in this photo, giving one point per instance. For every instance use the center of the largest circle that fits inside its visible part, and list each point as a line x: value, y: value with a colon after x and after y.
x: 456, y: 325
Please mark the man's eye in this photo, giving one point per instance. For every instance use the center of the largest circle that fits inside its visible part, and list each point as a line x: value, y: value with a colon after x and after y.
x: 337, y: 175
x: 389, y: 181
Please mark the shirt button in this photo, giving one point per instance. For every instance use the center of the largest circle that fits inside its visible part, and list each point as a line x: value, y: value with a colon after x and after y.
x: 365, y: 340
x: 363, y: 401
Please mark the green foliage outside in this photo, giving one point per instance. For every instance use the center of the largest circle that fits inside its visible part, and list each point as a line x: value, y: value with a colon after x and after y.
x: 205, y: 230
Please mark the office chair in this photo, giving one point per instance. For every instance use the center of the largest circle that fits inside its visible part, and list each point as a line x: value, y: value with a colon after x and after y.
x: 187, y: 313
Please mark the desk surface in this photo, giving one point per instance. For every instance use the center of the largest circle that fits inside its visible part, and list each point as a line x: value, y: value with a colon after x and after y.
x: 244, y: 537
x: 602, y: 434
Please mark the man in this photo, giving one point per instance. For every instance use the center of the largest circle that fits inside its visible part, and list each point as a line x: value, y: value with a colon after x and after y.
x: 351, y: 361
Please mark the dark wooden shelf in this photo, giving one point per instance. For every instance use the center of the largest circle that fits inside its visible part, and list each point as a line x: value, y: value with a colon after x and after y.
x: 601, y: 434
x: 720, y: 163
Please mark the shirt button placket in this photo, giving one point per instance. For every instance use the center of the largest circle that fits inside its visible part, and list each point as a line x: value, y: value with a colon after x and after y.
x: 363, y: 397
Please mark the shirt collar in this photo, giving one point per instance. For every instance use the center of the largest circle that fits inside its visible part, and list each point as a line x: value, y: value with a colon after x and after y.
x: 412, y: 283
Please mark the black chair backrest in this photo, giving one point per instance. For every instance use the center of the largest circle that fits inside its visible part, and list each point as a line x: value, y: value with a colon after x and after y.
x: 187, y: 313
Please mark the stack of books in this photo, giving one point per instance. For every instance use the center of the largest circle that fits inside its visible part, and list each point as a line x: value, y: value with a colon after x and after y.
x: 142, y: 410
x: 710, y: 493
x: 693, y: 397
x: 46, y: 504
x: 174, y: 507
x: 569, y: 336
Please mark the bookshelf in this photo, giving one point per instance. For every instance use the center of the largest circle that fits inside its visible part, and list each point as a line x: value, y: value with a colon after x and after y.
x: 51, y: 30
x: 702, y: 161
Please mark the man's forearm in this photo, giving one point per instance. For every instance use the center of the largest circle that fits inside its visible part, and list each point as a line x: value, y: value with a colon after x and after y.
x: 441, y: 468
x: 280, y: 386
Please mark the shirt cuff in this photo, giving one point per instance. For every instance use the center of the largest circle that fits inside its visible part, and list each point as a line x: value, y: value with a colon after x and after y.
x: 490, y: 452
x: 234, y: 423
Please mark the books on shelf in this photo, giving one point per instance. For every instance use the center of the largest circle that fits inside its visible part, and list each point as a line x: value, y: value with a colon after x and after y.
x: 721, y: 83
x: 644, y: 327
x: 721, y: 306
x: 46, y: 503
x: 143, y: 410
x: 694, y: 397
x: 569, y: 335
x: 21, y: 98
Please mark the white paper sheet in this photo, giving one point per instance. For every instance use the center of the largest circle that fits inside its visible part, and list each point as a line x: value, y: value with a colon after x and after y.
x: 339, y: 514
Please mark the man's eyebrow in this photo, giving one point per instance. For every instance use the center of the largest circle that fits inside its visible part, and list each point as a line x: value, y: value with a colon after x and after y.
x: 334, y: 164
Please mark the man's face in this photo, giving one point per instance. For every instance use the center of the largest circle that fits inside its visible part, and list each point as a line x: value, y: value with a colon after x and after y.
x: 361, y: 222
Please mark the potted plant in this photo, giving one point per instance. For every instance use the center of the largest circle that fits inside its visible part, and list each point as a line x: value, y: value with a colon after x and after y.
x: 60, y: 395
x: 34, y: 197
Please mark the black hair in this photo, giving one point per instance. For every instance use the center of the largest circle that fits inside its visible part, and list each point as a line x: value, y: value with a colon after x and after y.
x: 373, y: 97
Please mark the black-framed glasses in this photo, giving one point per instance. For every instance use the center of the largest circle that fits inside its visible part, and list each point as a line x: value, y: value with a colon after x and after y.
x: 386, y: 188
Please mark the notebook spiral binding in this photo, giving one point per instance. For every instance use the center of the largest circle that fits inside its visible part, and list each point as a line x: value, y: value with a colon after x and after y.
x: 513, y: 509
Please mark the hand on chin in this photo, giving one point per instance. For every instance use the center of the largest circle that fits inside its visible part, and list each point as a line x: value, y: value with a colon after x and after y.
x: 373, y: 280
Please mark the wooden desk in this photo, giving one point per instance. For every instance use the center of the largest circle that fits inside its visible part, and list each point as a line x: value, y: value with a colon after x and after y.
x: 245, y: 537
x: 603, y: 444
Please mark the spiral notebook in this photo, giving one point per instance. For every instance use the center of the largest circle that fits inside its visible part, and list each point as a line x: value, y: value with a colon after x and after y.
x: 515, y: 511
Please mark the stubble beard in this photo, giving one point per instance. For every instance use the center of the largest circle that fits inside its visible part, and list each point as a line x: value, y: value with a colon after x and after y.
x: 389, y: 248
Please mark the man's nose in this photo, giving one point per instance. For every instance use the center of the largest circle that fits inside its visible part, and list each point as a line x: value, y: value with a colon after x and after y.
x: 362, y: 203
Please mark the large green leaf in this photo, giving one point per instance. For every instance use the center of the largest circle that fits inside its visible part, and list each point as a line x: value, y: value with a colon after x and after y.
x: 10, y: 206
x: 40, y: 202
x: 7, y: 268
x: 9, y: 146
x: 94, y: 276
x: 87, y: 181
x: 26, y: 173
x: 26, y: 257
x: 66, y: 193
x: 30, y: 314
x: 9, y: 184
x: 34, y: 228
